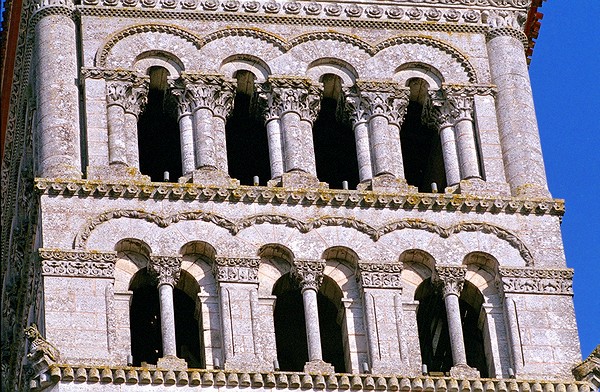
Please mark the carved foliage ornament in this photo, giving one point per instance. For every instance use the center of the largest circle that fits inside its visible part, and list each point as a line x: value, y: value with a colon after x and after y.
x: 58, y: 262
x: 281, y: 95
x: 376, y: 98
x: 450, y: 279
x: 206, y: 91
x: 309, y: 273
x: 235, y: 269
x: 382, y: 276
x: 131, y: 97
x: 166, y: 269
x: 540, y: 281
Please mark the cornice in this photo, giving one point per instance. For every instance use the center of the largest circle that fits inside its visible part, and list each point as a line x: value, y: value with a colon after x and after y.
x: 278, y: 195
x: 80, y: 374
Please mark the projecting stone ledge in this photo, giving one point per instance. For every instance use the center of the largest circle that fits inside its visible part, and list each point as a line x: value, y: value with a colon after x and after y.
x: 138, y: 376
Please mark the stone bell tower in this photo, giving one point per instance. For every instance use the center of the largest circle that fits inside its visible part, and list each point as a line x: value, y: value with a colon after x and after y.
x: 279, y: 194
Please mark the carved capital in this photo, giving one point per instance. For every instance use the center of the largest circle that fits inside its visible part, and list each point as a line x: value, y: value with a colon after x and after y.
x: 439, y: 112
x: 209, y: 91
x: 132, y: 97
x: 309, y: 273
x: 382, y: 98
x: 463, y: 106
x: 287, y: 94
x: 536, y: 281
x: 166, y: 269
x: 380, y: 276
x: 505, y: 23
x: 236, y: 269
x: 450, y: 279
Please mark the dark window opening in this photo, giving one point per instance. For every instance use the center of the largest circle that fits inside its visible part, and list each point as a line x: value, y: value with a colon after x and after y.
x: 434, y: 337
x: 329, y: 324
x: 158, y: 130
x: 470, y: 309
x: 335, y: 147
x: 145, y: 324
x: 144, y: 319
x: 290, y: 325
x: 246, y: 135
x: 421, y: 144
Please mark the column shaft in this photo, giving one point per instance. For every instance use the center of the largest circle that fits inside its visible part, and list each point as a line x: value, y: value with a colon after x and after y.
x: 131, y: 140
x: 313, y: 332
x: 220, y: 143
x: 204, y: 141
x: 467, y: 150
x: 117, y: 149
x: 167, y: 319
x: 292, y: 141
x: 450, y: 155
x: 380, y: 154
x: 275, y: 147
x: 517, y: 123
x: 457, y: 342
x: 186, y: 131
x: 363, y: 153
x: 58, y: 97
x: 395, y: 150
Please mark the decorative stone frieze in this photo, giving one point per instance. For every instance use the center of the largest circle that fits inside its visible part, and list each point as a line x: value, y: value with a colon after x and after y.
x: 236, y: 269
x: 536, y: 281
x: 450, y: 278
x: 380, y: 276
x: 292, y: 94
x: 166, y: 269
x: 80, y: 263
x: 309, y: 273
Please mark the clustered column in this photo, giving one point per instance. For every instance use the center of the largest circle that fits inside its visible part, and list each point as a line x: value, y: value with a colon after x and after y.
x: 125, y: 102
x: 517, y: 121
x: 451, y: 280
x: 205, y: 102
x: 294, y: 105
x: 167, y: 270
x: 56, y: 75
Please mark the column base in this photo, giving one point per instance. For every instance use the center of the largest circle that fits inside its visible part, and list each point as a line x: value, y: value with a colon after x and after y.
x: 390, y: 184
x: 210, y: 176
x: 533, y: 191
x: 318, y: 366
x: 61, y: 171
x: 479, y: 187
x: 117, y: 172
x: 298, y: 179
x: 463, y: 371
x: 171, y: 362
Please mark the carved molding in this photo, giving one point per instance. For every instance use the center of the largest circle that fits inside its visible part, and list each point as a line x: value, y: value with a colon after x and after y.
x: 236, y: 270
x: 536, y: 281
x: 167, y: 269
x: 309, y: 273
x: 450, y: 279
x: 380, y: 276
x: 123, y: 75
x: 60, y: 262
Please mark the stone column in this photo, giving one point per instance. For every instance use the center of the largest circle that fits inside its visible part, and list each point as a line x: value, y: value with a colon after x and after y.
x: 381, y: 286
x: 125, y: 100
x: 212, y: 100
x: 517, y: 121
x: 167, y: 270
x: 268, y: 102
x: 386, y: 105
x: 238, y: 295
x: 465, y: 137
x: 356, y: 106
x: 186, y: 127
x: 297, y: 102
x: 56, y: 75
x: 451, y: 279
x: 310, y: 275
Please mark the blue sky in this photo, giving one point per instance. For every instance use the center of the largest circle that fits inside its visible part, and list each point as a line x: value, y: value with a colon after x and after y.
x: 565, y: 74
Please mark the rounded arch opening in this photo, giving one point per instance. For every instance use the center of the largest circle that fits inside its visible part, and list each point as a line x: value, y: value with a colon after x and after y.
x: 246, y: 133
x: 471, y: 301
x: 331, y: 316
x: 333, y: 137
x: 158, y: 130
x: 421, y: 144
